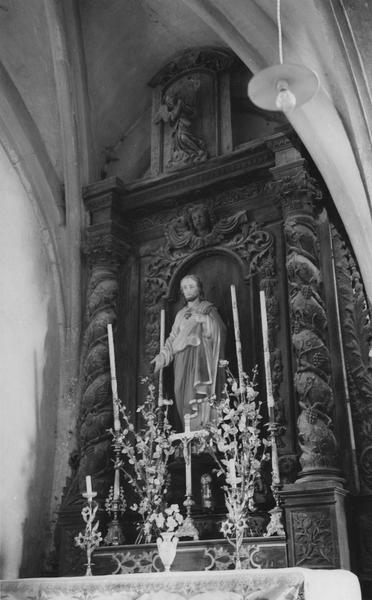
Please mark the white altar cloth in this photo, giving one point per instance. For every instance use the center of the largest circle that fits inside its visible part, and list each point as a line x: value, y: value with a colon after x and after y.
x: 256, y: 584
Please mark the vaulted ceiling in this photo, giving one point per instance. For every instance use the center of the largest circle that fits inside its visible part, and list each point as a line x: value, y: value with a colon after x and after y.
x: 74, y: 85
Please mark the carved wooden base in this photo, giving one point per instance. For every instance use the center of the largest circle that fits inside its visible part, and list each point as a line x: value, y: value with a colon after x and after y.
x: 321, y: 475
x: 206, y: 555
x: 316, y: 524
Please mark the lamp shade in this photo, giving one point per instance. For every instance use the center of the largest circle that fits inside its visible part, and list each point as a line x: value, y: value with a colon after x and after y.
x: 263, y: 87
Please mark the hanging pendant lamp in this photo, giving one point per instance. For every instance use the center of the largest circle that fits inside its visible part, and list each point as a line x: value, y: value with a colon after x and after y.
x: 284, y: 86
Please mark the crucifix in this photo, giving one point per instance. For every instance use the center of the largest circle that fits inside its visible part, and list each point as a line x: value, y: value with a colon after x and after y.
x: 188, y: 528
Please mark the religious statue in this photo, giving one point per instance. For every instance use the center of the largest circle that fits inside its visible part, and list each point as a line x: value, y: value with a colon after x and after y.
x: 186, y: 146
x: 195, y: 345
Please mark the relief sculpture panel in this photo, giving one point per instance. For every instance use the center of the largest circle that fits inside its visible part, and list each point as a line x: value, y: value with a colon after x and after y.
x: 179, y: 109
x: 191, y: 119
x: 314, y: 539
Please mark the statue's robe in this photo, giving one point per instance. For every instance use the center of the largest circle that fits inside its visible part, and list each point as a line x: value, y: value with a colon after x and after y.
x: 195, y: 349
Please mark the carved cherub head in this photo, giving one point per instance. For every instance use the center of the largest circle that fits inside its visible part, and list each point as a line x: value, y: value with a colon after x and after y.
x: 200, y: 221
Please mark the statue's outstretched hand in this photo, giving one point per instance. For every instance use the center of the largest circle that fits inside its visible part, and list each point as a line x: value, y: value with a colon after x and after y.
x: 158, y: 362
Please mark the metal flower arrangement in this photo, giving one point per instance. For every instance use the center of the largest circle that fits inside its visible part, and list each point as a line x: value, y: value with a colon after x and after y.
x: 238, y: 448
x: 145, y: 455
x: 91, y: 538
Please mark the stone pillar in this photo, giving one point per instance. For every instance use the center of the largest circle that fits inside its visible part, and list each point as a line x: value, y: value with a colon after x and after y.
x: 314, y: 505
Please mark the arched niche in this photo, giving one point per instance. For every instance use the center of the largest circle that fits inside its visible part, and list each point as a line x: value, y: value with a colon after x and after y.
x: 219, y: 268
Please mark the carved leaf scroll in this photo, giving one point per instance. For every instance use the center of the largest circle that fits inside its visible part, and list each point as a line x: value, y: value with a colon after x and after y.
x: 314, y: 540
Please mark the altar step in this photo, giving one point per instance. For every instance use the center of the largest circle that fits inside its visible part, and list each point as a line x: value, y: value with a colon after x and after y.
x: 202, y: 555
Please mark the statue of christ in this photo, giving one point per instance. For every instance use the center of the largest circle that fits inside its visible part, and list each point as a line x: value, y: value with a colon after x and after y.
x: 195, y: 345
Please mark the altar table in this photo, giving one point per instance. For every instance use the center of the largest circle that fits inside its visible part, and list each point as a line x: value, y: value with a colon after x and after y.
x: 265, y: 584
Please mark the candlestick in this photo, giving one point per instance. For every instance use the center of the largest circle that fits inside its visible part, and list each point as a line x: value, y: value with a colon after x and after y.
x: 237, y: 336
x: 162, y: 341
x: 91, y: 537
x: 114, y: 386
x: 265, y: 339
x: 275, y: 525
x: 115, y: 504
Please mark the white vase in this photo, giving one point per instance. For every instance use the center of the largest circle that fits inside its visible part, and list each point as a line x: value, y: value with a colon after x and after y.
x: 167, y: 547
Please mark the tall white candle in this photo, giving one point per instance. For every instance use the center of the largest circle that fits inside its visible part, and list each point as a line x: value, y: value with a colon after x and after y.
x: 114, y: 385
x: 188, y: 469
x: 162, y: 341
x: 237, y: 335
x: 187, y: 418
x: 274, y: 461
x: 162, y: 328
x: 265, y: 339
x: 117, y: 484
x: 88, y: 483
x: 232, y: 472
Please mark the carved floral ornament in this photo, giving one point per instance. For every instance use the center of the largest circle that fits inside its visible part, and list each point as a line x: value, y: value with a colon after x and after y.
x: 314, y: 539
x: 105, y: 248
x: 298, y: 193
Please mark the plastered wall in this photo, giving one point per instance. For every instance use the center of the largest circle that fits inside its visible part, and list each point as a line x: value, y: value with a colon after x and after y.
x: 29, y: 380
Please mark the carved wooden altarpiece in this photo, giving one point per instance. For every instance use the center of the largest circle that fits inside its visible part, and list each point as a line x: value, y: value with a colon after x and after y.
x: 259, y: 217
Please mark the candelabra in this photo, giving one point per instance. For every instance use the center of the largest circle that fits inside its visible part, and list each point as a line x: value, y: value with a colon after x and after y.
x: 275, y: 525
x: 91, y: 538
x: 115, y: 504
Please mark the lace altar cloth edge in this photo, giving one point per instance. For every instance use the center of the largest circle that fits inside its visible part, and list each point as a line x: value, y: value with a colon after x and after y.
x: 265, y: 584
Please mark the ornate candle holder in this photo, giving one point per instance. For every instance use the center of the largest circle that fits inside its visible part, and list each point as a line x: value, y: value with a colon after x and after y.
x: 275, y: 525
x: 91, y: 538
x: 115, y: 505
x: 188, y: 528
